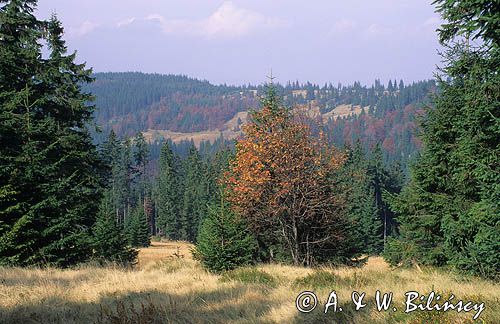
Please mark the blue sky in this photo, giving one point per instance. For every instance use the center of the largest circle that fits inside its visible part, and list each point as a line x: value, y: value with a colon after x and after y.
x: 238, y: 42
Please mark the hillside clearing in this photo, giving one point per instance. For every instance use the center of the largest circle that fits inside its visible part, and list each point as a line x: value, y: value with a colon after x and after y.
x: 168, y: 286
x: 232, y: 128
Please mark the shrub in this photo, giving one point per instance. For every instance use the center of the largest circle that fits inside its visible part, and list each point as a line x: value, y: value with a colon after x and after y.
x: 317, y: 279
x: 109, y: 243
x: 249, y: 275
x: 224, y: 242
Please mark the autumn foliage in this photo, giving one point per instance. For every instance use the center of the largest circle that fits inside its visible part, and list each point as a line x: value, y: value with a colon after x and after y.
x: 282, y: 182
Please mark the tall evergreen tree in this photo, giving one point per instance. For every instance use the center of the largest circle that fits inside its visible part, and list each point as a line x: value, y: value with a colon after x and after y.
x: 141, y: 160
x: 195, y: 199
x: 141, y: 153
x: 224, y: 242
x: 361, y: 202
x: 50, y: 172
x: 111, y: 151
x: 380, y: 183
x: 136, y: 227
x: 109, y: 240
x: 124, y: 177
x: 450, y: 212
x: 168, y: 194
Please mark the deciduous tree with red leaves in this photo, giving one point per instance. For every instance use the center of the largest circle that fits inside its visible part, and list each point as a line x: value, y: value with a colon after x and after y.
x: 282, y: 182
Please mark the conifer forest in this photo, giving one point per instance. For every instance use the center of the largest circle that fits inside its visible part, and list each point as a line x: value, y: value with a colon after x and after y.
x: 133, y: 197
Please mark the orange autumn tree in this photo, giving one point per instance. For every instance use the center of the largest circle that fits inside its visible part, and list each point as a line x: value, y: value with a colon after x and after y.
x: 282, y: 182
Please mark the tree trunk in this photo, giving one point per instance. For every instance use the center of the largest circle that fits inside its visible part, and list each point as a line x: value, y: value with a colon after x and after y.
x: 295, y: 241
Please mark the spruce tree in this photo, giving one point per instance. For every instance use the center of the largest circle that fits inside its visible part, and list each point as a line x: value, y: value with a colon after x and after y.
x: 449, y: 213
x: 168, y: 194
x: 109, y: 240
x: 194, y: 200
x: 381, y: 184
x: 137, y: 229
x: 50, y: 172
x: 111, y: 152
x: 141, y: 153
x: 361, y: 203
x: 224, y: 241
x: 124, y: 177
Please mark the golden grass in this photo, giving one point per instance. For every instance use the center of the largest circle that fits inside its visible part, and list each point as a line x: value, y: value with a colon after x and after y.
x: 197, y: 137
x: 163, y: 251
x: 165, y: 288
x: 343, y: 111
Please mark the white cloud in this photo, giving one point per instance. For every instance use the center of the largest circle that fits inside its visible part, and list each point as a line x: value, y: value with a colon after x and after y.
x: 227, y: 21
x: 376, y: 30
x: 85, y: 28
x: 125, y: 22
x: 343, y: 25
x: 156, y: 17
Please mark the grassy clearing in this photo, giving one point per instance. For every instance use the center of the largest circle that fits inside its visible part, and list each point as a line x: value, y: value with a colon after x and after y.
x: 169, y: 287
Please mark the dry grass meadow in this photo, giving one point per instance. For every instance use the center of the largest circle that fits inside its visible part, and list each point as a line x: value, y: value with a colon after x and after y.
x: 167, y: 286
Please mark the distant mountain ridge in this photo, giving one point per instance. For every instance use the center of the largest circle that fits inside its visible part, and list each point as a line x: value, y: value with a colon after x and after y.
x: 183, y: 108
x: 133, y: 101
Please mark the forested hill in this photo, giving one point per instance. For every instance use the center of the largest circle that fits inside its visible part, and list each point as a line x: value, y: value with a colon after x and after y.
x: 133, y: 101
x: 123, y: 93
x: 163, y: 104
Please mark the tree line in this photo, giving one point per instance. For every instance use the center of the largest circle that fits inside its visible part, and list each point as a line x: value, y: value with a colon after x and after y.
x: 132, y: 102
x: 390, y: 114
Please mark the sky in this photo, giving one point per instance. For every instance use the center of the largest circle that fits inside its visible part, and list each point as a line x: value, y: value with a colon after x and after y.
x: 240, y: 42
